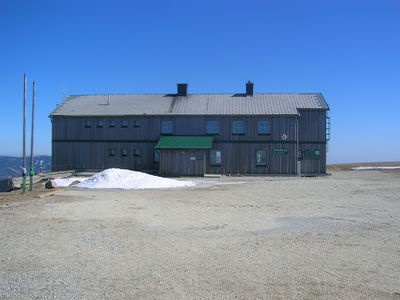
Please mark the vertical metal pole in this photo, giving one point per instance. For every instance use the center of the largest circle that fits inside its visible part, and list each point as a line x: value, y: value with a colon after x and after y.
x: 24, y: 140
x: 297, y: 146
x: 32, y: 170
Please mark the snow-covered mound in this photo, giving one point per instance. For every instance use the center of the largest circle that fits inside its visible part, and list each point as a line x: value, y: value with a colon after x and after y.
x: 67, y: 181
x: 128, y: 180
x: 375, y: 168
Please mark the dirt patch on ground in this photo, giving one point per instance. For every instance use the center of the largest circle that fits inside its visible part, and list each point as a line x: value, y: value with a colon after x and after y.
x: 333, y: 237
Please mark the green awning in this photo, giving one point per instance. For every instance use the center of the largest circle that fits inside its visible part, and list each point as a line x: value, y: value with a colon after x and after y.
x: 185, y: 142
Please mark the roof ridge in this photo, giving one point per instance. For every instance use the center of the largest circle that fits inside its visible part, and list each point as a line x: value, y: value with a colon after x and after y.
x: 158, y: 94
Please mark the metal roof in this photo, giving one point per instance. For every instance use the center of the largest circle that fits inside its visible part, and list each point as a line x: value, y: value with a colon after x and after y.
x: 192, y: 104
x: 185, y: 142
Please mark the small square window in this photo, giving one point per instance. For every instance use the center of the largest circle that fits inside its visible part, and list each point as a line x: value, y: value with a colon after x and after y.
x: 156, y: 156
x: 316, y: 153
x: 215, y: 157
x: 100, y: 124
x: 212, y: 127
x: 124, y: 123
x: 238, y: 127
x: 261, y: 157
x: 111, y: 152
x: 167, y: 127
x: 112, y: 124
x: 136, y: 124
x: 124, y: 152
x: 88, y: 124
x: 264, y: 127
x: 136, y: 152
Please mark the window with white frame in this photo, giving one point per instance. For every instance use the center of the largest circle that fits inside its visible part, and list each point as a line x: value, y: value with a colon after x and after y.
x: 124, y: 152
x: 111, y: 152
x: 167, y: 127
x: 88, y: 124
x: 238, y: 127
x: 261, y: 157
x: 215, y: 157
x: 212, y: 127
x: 264, y: 127
x: 156, y: 155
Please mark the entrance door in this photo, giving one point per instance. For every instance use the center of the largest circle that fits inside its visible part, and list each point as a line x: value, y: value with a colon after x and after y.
x: 182, y: 162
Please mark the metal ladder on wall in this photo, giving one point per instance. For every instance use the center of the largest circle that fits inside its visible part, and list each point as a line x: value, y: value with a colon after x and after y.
x: 328, y: 130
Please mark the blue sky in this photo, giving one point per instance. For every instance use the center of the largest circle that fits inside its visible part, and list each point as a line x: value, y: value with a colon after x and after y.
x: 348, y: 50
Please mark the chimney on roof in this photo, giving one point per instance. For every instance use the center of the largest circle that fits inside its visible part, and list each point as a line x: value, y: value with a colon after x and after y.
x: 249, y: 88
x: 182, y: 89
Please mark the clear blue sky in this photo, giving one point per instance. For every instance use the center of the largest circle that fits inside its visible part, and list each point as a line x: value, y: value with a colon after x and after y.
x: 348, y: 50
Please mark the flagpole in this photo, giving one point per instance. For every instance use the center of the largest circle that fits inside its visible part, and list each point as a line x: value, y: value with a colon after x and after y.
x: 24, y: 140
x: 32, y: 170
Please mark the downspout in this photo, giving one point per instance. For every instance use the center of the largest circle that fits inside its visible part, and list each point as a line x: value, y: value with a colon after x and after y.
x: 297, y: 146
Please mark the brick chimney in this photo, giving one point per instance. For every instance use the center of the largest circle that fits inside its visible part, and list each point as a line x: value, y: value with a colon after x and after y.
x: 249, y: 88
x: 182, y: 89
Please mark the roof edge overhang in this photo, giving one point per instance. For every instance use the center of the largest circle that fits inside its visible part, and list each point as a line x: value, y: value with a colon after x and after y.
x: 178, y: 115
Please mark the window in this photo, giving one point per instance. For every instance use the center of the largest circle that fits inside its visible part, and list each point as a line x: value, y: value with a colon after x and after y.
x: 100, y: 124
x: 136, y: 124
x: 156, y: 156
x: 212, y: 127
x: 124, y: 152
x: 280, y: 151
x: 264, y: 127
x: 238, y: 127
x: 124, y: 123
x: 111, y: 152
x: 166, y: 127
x: 261, y: 157
x: 300, y: 154
x: 112, y: 124
x: 215, y: 157
x: 88, y: 124
x: 311, y: 154
x: 136, y: 152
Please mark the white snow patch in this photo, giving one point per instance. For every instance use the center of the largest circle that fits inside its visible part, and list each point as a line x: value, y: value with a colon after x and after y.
x: 129, y: 180
x: 375, y: 168
x: 67, y: 181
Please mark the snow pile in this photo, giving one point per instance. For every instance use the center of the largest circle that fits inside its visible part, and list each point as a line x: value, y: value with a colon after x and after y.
x: 375, y: 168
x: 128, y: 180
x: 67, y: 181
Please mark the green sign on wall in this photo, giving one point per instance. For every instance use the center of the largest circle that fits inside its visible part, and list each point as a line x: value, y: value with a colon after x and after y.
x: 280, y: 151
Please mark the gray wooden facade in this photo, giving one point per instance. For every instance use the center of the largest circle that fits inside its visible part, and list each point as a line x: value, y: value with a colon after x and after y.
x: 75, y: 146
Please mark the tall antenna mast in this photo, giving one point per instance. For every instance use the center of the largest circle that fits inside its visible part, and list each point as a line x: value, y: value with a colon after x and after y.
x: 24, y: 139
x: 32, y: 170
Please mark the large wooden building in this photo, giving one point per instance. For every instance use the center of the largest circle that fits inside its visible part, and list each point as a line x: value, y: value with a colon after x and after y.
x: 192, y: 134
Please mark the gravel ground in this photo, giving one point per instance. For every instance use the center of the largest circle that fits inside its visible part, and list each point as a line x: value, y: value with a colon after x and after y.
x: 335, y: 237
